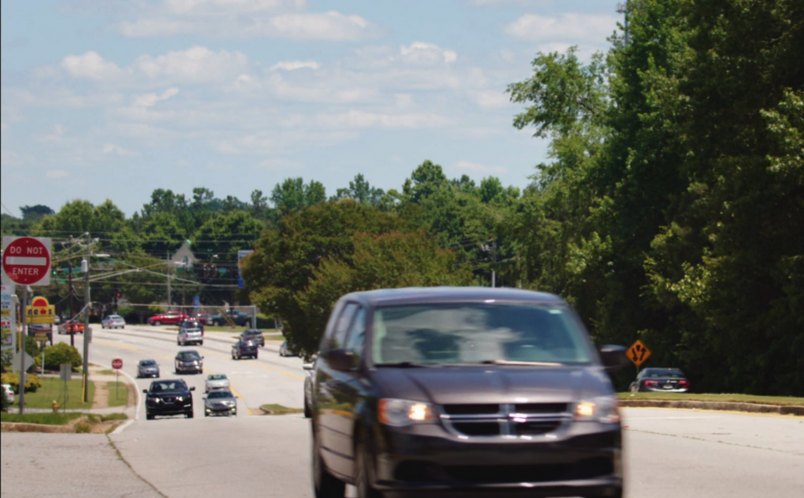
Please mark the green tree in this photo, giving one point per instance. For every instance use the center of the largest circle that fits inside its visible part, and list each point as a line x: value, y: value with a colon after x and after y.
x: 389, y: 260
x: 286, y: 257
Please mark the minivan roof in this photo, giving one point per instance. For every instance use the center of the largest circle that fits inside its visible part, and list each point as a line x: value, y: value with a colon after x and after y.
x: 452, y: 294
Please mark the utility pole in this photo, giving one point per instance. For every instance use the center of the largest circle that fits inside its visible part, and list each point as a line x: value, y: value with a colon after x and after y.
x: 70, y: 290
x: 168, y: 280
x: 87, y: 332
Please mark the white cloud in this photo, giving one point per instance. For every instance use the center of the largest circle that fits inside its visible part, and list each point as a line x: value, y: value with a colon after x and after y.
x: 90, y: 65
x: 365, y: 119
x: 194, y: 65
x: 332, y: 26
x: 185, y: 7
x: 295, y: 65
x: 426, y: 54
x: 116, y: 150
x: 564, y: 27
x: 153, y: 27
x: 150, y: 99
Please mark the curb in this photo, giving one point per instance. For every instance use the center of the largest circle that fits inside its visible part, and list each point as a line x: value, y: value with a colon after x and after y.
x: 796, y: 410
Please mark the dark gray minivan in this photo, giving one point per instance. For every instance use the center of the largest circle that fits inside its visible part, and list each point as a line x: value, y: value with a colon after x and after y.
x: 462, y: 392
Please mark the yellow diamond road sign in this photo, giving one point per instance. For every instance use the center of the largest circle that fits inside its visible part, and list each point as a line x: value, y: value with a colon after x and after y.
x: 638, y: 352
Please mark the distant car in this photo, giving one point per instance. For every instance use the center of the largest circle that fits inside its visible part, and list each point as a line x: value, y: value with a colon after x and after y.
x: 71, y: 327
x: 113, y: 322
x: 147, y: 368
x: 189, y: 361
x: 189, y: 335
x: 666, y: 380
x: 9, y: 393
x: 168, y: 397
x: 243, y: 348
x: 192, y: 323
x: 216, y: 381
x: 167, y: 318
x: 284, y: 350
x: 309, y: 371
x: 202, y: 318
x: 253, y: 335
x: 220, y: 402
x: 231, y: 316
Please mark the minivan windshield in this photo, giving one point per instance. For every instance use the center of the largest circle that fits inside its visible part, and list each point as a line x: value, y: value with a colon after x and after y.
x: 477, y: 333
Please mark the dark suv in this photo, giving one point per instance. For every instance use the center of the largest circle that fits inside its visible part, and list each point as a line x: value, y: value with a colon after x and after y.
x: 463, y: 391
x: 168, y: 397
x: 245, y: 348
x: 253, y: 335
x: 232, y: 316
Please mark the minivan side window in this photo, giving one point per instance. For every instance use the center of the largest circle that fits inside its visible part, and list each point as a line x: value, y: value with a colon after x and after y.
x: 357, y: 333
x: 338, y: 337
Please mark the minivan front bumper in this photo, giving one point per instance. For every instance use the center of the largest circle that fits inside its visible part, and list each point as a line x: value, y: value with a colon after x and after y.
x: 586, y: 459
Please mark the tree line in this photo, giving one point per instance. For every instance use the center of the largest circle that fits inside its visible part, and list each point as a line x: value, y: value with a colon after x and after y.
x: 671, y: 208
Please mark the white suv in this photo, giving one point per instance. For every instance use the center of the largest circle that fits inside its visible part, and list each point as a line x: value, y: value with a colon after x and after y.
x: 190, y: 336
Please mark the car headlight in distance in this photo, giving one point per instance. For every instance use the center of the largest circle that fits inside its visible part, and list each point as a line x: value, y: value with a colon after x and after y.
x: 601, y: 408
x: 402, y: 412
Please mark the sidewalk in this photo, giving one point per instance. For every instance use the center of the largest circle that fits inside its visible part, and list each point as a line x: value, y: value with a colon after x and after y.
x: 100, y: 404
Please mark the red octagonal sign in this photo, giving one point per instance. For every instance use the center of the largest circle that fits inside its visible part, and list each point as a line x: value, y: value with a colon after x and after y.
x: 26, y: 260
x: 117, y: 363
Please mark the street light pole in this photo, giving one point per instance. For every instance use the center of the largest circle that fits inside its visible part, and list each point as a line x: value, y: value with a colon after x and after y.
x: 87, y: 333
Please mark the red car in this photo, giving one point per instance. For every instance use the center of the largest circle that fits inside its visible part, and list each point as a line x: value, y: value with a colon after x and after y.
x: 71, y: 327
x: 168, y: 318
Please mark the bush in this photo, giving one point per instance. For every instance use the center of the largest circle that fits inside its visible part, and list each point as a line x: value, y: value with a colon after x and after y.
x: 62, y: 353
x: 32, y: 382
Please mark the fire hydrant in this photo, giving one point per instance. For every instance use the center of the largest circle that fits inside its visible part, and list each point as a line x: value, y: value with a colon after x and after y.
x: 55, y: 405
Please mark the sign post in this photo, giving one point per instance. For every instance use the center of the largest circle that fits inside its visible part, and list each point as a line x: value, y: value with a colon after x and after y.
x: 117, y: 364
x: 25, y: 261
x: 638, y: 353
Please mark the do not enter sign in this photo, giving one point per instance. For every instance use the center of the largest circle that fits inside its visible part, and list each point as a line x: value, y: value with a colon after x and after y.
x: 117, y: 363
x: 26, y: 260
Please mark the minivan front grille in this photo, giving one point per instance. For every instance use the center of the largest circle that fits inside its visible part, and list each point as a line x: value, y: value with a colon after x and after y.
x: 511, y: 420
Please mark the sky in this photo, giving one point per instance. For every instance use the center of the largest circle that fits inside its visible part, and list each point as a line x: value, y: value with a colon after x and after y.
x: 118, y: 98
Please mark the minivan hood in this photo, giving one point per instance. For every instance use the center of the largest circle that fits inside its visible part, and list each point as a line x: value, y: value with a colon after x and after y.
x: 493, y: 383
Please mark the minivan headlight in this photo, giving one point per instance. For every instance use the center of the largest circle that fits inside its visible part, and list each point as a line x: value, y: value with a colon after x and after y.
x: 601, y: 408
x: 403, y: 412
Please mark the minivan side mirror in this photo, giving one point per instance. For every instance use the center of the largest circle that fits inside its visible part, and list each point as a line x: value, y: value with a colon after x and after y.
x: 613, y: 356
x: 340, y: 359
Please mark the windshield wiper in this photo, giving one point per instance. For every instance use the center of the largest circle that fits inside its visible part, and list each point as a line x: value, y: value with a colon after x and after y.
x: 522, y: 363
x: 401, y: 364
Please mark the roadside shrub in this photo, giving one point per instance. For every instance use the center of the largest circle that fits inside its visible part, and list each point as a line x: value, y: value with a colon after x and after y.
x: 62, y: 353
x: 32, y: 382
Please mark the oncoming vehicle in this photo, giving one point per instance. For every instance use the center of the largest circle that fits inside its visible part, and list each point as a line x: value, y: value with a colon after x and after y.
x: 168, y: 397
x: 216, y: 381
x: 244, y: 348
x: 189, y: 361
x: 253, y: 335
x: 113, y: 322
x: 189, y: 335
x: 147, y: 368
x: 667, y: 380
x: 463, y: 391
x: 220, y: 402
